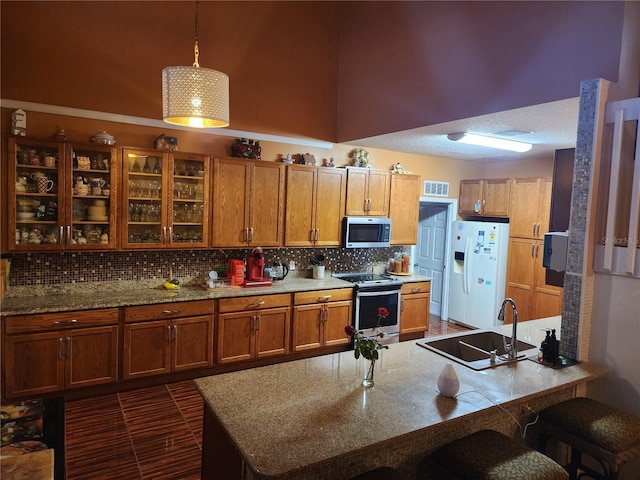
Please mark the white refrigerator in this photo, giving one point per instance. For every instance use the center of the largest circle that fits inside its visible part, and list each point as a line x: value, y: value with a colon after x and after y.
x: 478, y: 272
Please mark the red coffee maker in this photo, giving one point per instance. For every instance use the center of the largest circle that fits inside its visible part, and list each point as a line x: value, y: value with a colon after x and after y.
x: 255, y: 269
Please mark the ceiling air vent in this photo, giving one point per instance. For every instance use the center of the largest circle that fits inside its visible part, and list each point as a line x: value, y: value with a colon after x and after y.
x: 436, y: 189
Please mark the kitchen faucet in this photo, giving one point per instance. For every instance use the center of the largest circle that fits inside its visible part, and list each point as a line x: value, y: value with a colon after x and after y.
x: 511, y: 348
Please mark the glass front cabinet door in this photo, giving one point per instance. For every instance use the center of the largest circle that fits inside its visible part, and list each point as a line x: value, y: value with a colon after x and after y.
x: 60, y: 198
x: 165, y: 198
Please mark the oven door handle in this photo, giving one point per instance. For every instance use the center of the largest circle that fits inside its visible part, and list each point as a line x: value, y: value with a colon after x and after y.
x: 377, y: 293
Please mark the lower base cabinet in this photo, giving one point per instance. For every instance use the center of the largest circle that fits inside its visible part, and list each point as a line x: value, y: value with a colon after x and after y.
x: 414, y: 307
x: 183, y: 340
x: 526, y: 282
x: 319, y: 318
x: 253, y: 327
x: 53, y: 352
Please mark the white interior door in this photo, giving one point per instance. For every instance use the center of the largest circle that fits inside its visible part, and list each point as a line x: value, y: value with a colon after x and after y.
x: 431, y: 249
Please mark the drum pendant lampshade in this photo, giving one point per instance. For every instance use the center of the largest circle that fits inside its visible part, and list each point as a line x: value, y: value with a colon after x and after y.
x: 195, y: 97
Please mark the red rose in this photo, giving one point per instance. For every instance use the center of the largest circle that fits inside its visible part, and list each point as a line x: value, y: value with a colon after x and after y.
x: 383, y: 312
x: 349, y: 330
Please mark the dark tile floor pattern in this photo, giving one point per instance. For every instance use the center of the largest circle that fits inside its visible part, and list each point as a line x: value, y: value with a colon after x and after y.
x: 151, y: 433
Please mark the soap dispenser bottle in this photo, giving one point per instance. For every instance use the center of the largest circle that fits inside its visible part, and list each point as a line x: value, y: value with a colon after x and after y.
x: 554, y: 349
x: 545, y: 346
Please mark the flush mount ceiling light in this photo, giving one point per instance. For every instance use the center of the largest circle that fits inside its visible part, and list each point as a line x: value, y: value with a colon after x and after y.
x: 494, y: 142
x: 194, y: 96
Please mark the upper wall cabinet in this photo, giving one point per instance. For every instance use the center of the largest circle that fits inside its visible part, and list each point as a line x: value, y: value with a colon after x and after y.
x: 165, y: 199
x: 61, y: 196
x: 367, y: 192
x: 484, y: 197
x: 248, y: 203
x: 530, y: 207
x: 404, y: 209
x: 314, y: 206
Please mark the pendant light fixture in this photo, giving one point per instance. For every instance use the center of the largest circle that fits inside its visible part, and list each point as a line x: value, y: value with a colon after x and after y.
x: 193, y: 96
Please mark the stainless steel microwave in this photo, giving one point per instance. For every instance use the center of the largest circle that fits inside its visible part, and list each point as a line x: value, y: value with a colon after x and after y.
x: 366, y: 232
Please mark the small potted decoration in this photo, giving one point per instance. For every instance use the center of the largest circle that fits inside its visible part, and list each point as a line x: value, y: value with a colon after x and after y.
x: 243, y: 148
x: 368, y: 346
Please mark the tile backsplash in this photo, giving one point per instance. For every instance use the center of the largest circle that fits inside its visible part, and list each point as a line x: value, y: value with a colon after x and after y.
x: 78, y: 267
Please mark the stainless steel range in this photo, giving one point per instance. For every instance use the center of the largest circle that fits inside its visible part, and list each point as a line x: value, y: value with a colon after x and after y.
x: 372, y: 291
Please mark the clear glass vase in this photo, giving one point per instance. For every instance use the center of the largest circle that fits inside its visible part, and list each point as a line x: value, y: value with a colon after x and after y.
x: 369, y: 366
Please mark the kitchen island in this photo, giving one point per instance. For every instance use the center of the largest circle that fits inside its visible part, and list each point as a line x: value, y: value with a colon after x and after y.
x: 312, y: 418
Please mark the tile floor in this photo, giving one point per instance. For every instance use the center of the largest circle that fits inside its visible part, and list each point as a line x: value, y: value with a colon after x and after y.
x: 150, y: 433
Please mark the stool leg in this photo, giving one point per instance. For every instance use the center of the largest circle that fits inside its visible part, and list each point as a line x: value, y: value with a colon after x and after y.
x: 576, y: 460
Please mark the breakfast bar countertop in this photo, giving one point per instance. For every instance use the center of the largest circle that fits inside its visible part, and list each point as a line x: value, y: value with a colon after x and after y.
x: 94, y: 295
x: 309, y: 415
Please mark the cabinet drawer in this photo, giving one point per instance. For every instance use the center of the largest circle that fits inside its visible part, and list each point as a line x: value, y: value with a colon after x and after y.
x: 257, y: 302
x: 163, y: 311
x: 415, y: 287
x: 56, y: 321
x: 320, y: 296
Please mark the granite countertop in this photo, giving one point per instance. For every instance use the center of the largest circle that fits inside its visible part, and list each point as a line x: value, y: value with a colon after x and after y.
x: 94, y: 295
x: 316, y: 409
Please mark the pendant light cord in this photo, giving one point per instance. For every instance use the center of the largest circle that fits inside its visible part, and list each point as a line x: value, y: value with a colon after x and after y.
x: 196, y: 50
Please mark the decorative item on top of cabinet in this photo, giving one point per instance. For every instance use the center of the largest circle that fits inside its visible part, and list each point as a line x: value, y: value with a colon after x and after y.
x: 46, y: 353
x: 319, y: 318
x: 315, y: 205
x: 484, y: 197
x: 167, y: 337
x: 248, y: 203
x: 404, y: 209
x: 415, y: 298
x: 367, y: 192
x: 243, y: 148
x: 50, y: 196
x: 361, y: 158
x: 165, y: 199
x: 165, y: 142
x: 253, y: 327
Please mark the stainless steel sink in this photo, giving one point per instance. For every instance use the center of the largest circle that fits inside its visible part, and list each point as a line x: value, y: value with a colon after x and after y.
x: 473, y: 349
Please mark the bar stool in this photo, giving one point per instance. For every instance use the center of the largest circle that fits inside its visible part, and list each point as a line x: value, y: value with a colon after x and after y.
x: 490, y: 455
x: 382, y: 473
x: 608, y: 435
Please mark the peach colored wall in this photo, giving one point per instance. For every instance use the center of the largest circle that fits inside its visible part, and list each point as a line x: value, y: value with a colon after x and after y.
x: 538, y: 167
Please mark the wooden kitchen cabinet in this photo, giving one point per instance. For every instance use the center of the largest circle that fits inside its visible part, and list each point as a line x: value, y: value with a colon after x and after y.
x: 315, y: 206
x: 526, y: 277
x: 526, y: 282
x: 367, y: 192
x: 414, y: 307
x: 404, y: 209
x: 167, y: 337
x: 61, y: 196
x: 484, y: 197
x: 53, y: 352
x: 319, y: 318
x: 253, y: 327
x: 530, y: 207
x: 165, y: 199
x: 248, y: 203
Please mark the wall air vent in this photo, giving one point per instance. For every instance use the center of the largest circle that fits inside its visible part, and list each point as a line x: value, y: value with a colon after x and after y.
x: 436, y: 189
